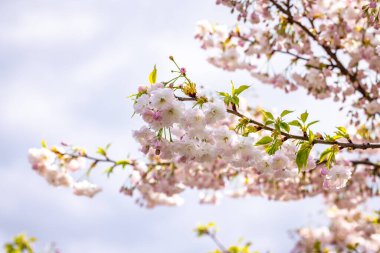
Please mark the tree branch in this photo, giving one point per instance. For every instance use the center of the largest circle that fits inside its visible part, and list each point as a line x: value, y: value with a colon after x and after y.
x: 217, y: 242
x: 297, y: 137
x: 326, y: 48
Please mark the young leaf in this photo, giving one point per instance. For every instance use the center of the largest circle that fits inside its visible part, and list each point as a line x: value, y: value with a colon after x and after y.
x: 268, y: 115
x: 265, y: 140
x: 285, y: 112
x: 123, y: 163
x: 274, y: 147
x: 235, y: 100
x: 101, y: 151
x: 304, y: 116
x: 324, y: 154
x: 302, y: 156
x: 285, y: 126
x: 205, y: 229
x: 268, y: 122
x: 223, y: 94
x: 312, y: 123
x: 232, y: 88
x: 153, y: 75
x: 342, y: 129
x: 227, y: 100
x: 92, y: 166
x: 108, y: 146
x: 311, y: 136
x: 109, y: 170
x: 241, y: 89
x: 295, y: 123
x: 43, y: 143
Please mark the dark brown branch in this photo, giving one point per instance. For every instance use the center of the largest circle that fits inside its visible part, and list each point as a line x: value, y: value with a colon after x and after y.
x: 298, y: 137
x: 366, y: 162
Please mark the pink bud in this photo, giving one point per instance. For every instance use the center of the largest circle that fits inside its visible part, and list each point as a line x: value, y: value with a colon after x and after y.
x: 157, y: 115
x: 324, y: 171
x: 142, y: 89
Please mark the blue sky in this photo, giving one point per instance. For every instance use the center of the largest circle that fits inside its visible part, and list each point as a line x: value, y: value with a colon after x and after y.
x: 66, y: 68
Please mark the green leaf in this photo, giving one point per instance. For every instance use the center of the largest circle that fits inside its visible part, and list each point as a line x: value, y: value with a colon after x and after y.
x: 268, y: 115
x: 223, y: 94
x: 92, y: 166
x: 295, y: 123
x: 233, y: 249
x: 227, y: 100
x: 43, y: 143
x: 329, y: 155
x: 123, y: 163
x: 265, y: 140
x: 153, y: 75
x: 241, y: 89
x: 336, y: 137
x: 205, y: 229
x: 329, y: 138
x: 268, y: 122
x: 109, y: 170
x: 342, y: 129
x: 324, y: 154
x: 101, y: 151
x: 285, y: 112
x: 312, y: 123
x: 232, y: 88
x: 274, y: 147
x: 235, y: 100
x: 330, y: 159
x: 341, y: 133
x: 311, y: 136
x: 304, y: 116
x: 302, y: 156
x: 285, y: 126
x: 277, y: 126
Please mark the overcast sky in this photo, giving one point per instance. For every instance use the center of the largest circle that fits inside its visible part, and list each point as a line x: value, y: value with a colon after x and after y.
x: 66, y: 68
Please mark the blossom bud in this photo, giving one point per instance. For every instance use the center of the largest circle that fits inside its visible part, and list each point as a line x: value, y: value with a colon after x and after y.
x: 324, y: 171
x: 142, y: 89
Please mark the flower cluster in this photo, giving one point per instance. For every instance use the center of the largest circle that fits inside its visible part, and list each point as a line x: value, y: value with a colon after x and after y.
x: 349, y: 231
x: 326, y: 46
x: 209, y: 154
x: 58, y: 169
